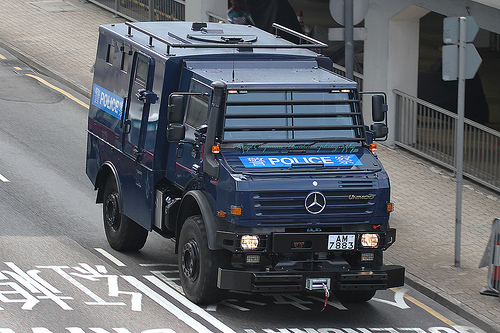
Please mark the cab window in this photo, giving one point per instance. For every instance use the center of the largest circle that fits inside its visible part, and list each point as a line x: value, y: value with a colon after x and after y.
x: 197, y: 111
x: 141, y: 72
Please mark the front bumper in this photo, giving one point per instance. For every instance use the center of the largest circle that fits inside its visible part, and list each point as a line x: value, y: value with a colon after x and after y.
x: 295, y: 281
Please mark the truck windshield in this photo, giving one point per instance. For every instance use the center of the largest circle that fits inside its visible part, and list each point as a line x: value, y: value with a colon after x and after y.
x: 292, y: 116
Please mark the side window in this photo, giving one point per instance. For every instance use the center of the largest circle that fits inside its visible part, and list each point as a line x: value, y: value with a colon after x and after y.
x: 125, y: 60
x: 110, y: 54
x: 197, y: 105
x: 134, y: 115
x: 141, y: 72
x: 197, y: 111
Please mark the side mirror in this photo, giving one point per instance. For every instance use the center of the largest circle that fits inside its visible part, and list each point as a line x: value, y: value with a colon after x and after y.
x: 176, y: 107
x: 380, y: 130
x: 379, y: 108
x: 176, y: 132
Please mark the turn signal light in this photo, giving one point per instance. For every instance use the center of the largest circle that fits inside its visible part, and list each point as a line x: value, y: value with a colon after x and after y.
x: 390, y: 207
x: 235, y: 210
x: 215, y: 149
x: 373, y: 147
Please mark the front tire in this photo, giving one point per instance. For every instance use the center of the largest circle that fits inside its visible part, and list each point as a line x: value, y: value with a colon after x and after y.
x: 198, y: 265
x: 122, y: 233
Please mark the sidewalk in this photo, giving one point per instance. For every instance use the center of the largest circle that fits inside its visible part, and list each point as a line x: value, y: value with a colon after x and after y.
x: 59, y: 38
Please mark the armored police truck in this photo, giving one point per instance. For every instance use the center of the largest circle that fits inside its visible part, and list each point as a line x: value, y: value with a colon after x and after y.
x: 247, y: 151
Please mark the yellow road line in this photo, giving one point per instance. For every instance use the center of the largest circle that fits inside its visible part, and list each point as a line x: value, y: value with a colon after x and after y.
x: 65, y: 93
x: 428, y: 309
x: 2, y: 57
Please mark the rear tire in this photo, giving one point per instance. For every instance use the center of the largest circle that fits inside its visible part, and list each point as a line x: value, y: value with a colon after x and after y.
x: 354, y: 296
x: 198, y: 265
x: 122, y: 233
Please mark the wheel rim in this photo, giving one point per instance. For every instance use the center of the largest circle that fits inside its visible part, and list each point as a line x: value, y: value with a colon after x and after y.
x: 112, y: 212
x: 191, y: 260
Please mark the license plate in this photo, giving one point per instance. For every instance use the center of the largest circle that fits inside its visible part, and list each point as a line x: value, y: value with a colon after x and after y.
x: 341, y: 242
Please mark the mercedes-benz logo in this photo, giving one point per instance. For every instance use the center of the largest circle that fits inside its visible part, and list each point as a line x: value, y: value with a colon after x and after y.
x: 315, y: 202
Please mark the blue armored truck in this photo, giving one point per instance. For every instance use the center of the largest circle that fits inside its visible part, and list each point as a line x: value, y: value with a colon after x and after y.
x: 247, y: 151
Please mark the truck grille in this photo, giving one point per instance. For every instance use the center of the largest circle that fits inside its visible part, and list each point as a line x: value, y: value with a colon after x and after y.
x: 353, y: 199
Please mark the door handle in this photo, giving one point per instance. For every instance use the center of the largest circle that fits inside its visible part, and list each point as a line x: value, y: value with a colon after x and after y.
x: 127, y: 125
x: 146, y: 96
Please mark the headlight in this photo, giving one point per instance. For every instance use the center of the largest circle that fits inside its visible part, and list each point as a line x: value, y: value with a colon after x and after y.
x: 249, y: 242
x: 370, y: 240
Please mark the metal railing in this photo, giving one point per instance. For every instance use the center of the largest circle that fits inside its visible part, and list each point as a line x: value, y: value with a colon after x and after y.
x: 430, y: 131
x: 212, y: 17
x: 357, y: 76
x: 146, y: 10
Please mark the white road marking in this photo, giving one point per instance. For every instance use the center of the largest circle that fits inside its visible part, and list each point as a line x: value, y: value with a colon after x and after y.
x: 163, y: 302
x: 3, y: 179
x: 97, y: 300
x: 168, y: 280
x: 155, y: 265
x: 399, y: 299
x: 255, y: 303
x: 110, y: 257
x: 193, y: 307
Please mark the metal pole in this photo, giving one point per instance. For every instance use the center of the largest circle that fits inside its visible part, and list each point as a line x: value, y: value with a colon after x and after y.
x: 349, y: 38
x: 151, y: 10
x: 460, y: 136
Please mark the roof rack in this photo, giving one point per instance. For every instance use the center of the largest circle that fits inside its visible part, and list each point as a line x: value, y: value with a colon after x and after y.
x: 183, y: 43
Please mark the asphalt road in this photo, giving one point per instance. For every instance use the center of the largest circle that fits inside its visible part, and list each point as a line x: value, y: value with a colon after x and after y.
x: 58, y: 274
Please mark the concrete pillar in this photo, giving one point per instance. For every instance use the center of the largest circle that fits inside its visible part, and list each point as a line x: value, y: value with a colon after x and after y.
x: 391, y: 53
x: 402, y: 70
x: 196, y: 10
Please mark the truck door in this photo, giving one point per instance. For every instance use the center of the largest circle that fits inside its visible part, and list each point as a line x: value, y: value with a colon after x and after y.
x: 189, y: 152
x: 136, y: 169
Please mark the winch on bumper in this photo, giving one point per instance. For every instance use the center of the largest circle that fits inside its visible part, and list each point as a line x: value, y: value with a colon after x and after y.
x: 289, y: 274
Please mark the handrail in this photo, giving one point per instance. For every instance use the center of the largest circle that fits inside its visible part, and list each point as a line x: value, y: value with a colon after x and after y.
x: 227, y: 46
x: 430, y: 131
x: 315, y: 43
x: 448, y: 113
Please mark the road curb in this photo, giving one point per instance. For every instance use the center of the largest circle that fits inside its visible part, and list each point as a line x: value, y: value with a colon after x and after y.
x: 451, y: 303
x: 44, y: 69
